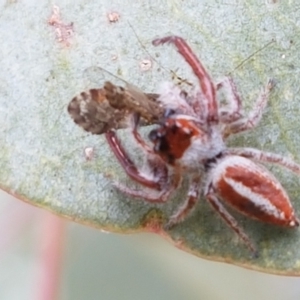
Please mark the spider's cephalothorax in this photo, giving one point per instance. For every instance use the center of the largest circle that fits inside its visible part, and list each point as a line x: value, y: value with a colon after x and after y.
x: 184, y: 142
x: 190, y: 142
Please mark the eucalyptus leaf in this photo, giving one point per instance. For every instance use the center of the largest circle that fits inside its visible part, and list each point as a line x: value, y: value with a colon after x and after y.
x: 44, y: 154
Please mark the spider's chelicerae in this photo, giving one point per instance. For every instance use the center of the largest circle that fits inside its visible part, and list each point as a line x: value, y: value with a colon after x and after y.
x: 189, y: 142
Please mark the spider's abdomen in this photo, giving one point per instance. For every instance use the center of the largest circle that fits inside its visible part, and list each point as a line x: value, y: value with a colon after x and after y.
x: 252, y: 190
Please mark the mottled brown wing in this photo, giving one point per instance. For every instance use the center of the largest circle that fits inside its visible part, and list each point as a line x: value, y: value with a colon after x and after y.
x: 134, y: 100
x: 100, y: 110
x: 91, y: 111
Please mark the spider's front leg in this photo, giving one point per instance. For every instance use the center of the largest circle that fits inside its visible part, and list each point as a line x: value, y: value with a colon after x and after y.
x: 157, y: 179
x: 205, y: 81
x: 154, y: 175
x: 157, y: 174
x: 254, y: 117
x: 129, y: 167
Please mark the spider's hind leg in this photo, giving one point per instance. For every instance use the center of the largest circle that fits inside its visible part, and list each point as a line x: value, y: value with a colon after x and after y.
x: 229, y: 219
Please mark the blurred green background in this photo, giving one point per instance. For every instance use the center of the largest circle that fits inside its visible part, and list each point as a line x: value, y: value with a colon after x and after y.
x: 98, y: 265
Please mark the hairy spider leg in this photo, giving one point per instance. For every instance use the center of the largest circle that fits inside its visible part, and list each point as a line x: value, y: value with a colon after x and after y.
x: 135, y: 119
x: 262, y: 156
x: 228, y: 218
x: 156, y: 164
x: 189, y: 204
x: 127, y: 164
x: 233, y: 111
x: 206, y: 83
x: 254, y: 117
x: 160, y: 197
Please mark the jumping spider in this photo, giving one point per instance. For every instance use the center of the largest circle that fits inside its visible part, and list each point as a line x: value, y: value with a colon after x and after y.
x: 190, y: 142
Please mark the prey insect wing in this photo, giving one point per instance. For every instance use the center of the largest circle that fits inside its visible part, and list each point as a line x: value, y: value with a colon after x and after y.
x: 92, y: 111
x: 134, y: 100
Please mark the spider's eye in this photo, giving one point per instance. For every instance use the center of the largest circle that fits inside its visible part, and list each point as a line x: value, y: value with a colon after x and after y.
x: 153, y: 135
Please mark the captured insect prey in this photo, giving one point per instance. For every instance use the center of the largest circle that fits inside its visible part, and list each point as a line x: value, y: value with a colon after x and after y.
x: 189, y: 141
x: 100, y: 110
